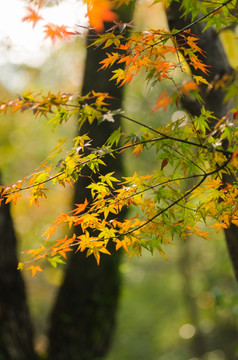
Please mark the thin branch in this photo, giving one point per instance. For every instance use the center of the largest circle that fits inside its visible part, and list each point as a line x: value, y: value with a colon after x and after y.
x: 195, y: 22
x: 189, y: 26
x: 180, y: 199
x: 189, y: 160
x: 225, y: 152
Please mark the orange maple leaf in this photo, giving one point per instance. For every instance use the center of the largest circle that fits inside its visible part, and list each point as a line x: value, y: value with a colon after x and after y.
x: 138, y: 148
x: 32, y: 16
x: 13, y: 197
x: 53, y: 32
x: 34, y: 269
x: 110, y: 60
x: 163, y: 101
x: 122, y: 243
x: 189, y: 86
x: 49, y: 232
x: 63, y: 252
x: 219, y: 226
x: 80, y: 207
x: 197, y: 64
x: 99, y: 11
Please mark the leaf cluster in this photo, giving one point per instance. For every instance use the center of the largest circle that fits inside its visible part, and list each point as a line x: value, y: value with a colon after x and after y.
x: 174, y: 199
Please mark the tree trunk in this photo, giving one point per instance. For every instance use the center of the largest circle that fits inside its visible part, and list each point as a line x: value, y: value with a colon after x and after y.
x: 218, y: 65
x: 216, y: 59
x: 83, y: 318
x: 15, y: 327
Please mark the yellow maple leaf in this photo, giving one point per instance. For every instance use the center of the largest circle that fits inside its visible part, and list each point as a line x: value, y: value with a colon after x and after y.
x: 200, y: 79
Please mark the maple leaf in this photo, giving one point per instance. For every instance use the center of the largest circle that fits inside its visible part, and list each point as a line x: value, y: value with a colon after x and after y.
x: 20, y: 266
x: 109, y: 179
x: 163, y: 101
x: 219, y: 226
x: 13, y: 197
x: 36, y: 252
x: 122, y: 76
x: 53, y: 32
x: 32, y: 16
x: 96, y: 253
x: 189, y: 86
x: 34, y: 269
x: 200, y: 79
x: 55, y: 261
x: 110, y: 60
x: 49, y: 232
x: 122, y: 243
x: 192, y: 42
x: 63, y: 252
x: 164, y: 163
x: 197, y: 64
x: 99, y: 11
x: 138, y: 148
x: 80, y: 207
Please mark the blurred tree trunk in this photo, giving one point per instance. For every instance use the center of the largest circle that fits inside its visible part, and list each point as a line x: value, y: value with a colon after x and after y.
x: 15, y: 327
x: 198, y: 344
x: 216, y: 59
x: 83, y: 319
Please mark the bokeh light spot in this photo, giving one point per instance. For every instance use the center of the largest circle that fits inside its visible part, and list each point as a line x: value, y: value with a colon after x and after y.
x: 187, y: 331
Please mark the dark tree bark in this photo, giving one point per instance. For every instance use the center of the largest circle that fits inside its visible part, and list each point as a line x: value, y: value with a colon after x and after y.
x: 83, y: 318
x: 16, y: 337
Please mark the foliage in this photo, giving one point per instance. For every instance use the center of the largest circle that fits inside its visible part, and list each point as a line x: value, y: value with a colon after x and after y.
x: 186, y: 149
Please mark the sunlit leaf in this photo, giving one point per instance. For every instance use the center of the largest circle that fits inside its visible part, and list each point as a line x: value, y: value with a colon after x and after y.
x: 99, y: 11
x: 32, y: 16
